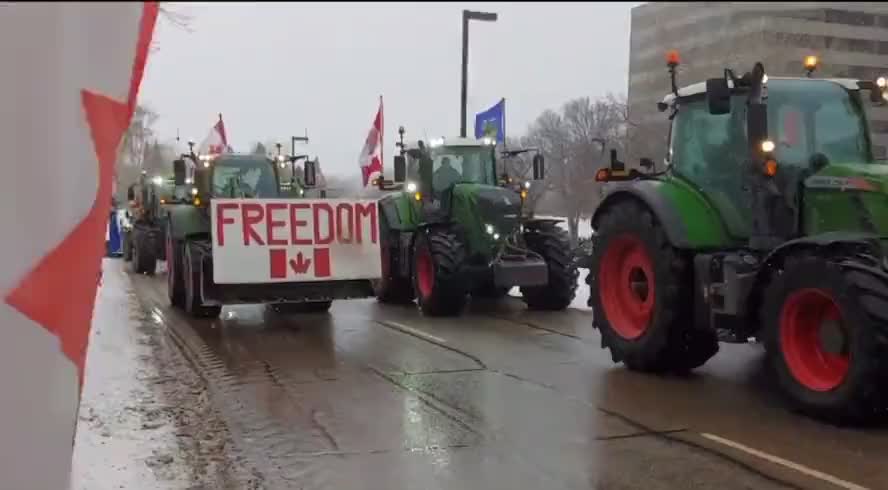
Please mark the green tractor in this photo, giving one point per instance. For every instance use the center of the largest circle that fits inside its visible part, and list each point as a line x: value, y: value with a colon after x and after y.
x: 189, y: 249
x: 455, y: 230
x: 769, y: 222
x: 143, y: 240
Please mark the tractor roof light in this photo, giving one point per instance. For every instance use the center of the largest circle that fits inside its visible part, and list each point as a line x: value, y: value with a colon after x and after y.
x: 411, y: 187
x: 672, y: 58
x: 811, y: 63
x: 770, y: 168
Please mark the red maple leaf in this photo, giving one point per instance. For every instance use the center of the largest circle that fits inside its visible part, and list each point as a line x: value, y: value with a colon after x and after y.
x: 59, y: 291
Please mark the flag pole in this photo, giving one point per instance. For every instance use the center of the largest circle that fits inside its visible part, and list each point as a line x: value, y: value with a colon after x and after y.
x: 381, y: 136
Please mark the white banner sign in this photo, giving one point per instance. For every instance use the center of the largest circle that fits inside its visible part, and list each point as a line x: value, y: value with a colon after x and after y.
x: 294, y: 240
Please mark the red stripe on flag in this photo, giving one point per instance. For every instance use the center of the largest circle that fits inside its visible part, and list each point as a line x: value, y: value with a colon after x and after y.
x: 322, y: 262
x: 277, y: 263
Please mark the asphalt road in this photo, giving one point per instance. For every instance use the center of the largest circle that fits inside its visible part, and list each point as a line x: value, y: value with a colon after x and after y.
x: 379, y: 397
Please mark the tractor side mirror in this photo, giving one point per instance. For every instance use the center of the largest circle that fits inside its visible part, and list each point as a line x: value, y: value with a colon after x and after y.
x: 718, y: 96
x: 539, y: 167
x: 130, y: 194
x: 179, y: 172
x: 647, y: 164
x: 310, y: 174
x: 400, y: 168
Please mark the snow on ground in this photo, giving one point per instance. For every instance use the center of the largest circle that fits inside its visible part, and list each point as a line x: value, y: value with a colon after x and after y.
x: 579, y: 302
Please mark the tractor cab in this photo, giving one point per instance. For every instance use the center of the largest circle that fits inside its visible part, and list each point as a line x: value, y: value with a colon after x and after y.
x: 232, y: 175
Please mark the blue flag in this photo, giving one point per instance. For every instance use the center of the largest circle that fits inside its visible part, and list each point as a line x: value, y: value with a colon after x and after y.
x: 492, y: 122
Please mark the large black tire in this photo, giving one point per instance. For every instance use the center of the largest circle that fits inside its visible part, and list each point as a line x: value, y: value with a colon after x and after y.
x: 391, y: 288
x: 175, y: 279
x: 438, y: 256
x: 848, y: 384
x: 127, y: 240
x: 194, y: 286
x: 297, y: 308
x: 641, y: 291
x: 144, y: 257
x: 553, y: 243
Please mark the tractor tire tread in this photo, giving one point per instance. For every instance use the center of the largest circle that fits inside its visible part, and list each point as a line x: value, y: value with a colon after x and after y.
x: 553, y: 244
x: 672, y: 343
x: 448, y: 255
x: 862, y: 398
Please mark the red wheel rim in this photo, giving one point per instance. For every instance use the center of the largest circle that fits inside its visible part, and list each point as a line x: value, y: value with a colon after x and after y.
x: 425, y: 272
x: 626, y: 286
x: 805, y: 316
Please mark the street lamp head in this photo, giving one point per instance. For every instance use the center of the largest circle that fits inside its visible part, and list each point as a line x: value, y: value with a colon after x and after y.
x: 482, y: 16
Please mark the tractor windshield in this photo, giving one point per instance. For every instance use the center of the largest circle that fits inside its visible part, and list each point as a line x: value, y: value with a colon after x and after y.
x: 810, y: 117
x: 242, y: 177
x: 458, y: 164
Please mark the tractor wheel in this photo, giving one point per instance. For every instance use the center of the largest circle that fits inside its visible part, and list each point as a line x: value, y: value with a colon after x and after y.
x: 127, y: 246
x: 391, y: 288
x: 826, y: 334
x: 194, y: 286
x: 641, y: 291
x: 144, y: 260
x: 437, y: 257
x: 296, y: 308
x: 175, y: 279
x: 553, y: 244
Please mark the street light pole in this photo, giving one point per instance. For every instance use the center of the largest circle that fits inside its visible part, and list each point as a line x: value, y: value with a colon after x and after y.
x: 468, y: 15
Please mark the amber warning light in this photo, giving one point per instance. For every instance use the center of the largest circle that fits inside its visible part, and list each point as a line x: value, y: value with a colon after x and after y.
x: 672, y: 57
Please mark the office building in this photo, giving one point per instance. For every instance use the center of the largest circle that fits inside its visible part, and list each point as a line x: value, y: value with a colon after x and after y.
x: 850, y: 38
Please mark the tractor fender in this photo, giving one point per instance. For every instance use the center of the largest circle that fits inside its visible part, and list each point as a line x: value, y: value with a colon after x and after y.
x: 660, y: 206
x: 824, y: 242
x: 187, y: 221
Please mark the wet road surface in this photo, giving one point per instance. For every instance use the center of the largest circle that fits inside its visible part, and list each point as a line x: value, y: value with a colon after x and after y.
x: 373, y: 397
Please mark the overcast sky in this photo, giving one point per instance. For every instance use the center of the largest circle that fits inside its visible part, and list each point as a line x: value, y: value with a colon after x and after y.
x: 276, y: 69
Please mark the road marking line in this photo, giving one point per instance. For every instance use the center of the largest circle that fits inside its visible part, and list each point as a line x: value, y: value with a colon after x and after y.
x: 416, y: 332
x: 789, y: 464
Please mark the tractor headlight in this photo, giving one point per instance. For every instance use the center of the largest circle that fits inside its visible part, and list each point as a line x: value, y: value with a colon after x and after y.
x: 881, y: 82
x: 490, y: 229
x: 527, y: 185
x: 194, y: 191
x: 411, y: 187
x: 767, y: 146
x: 189, y: 181
x: 496, y: 236
x: 158, y: 180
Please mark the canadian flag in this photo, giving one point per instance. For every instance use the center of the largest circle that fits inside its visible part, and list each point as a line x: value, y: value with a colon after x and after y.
x: 371, y: 155
x: 216, y: 142
x: 72, y: 93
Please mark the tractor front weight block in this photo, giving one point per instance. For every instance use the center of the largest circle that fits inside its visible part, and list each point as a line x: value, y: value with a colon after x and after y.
x: 526, y: 272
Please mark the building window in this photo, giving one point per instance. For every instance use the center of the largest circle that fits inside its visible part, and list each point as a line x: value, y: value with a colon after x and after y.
x: 851, y: 18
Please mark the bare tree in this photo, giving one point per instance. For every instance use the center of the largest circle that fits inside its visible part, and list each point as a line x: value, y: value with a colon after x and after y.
x: 132, y: 150
x: 575, y: 144
x: 174, y: 17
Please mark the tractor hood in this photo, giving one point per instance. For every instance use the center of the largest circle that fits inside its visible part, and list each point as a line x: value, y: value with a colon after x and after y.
x: 476, y: 206
x: 848, y: 197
